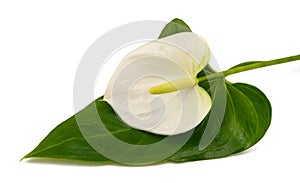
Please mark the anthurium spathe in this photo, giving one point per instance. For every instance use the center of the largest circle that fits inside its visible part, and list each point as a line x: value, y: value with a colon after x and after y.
x: 155, y: 88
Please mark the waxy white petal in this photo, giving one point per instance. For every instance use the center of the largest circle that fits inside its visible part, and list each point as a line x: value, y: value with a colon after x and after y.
x: 175, y: 57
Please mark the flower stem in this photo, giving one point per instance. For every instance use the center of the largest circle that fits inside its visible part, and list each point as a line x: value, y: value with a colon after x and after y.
x: 249, y: 66
x: 184, y: 83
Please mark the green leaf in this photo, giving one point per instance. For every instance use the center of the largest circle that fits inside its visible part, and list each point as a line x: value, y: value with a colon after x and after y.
x: 246, y: 120
x: 239, y: 118
x: 175, y: 26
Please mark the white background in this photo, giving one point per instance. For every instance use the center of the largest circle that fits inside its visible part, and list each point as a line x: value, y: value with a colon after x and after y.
x: 41, y: 44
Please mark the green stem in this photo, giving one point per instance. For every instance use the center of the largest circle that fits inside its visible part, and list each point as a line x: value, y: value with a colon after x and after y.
x: 250, y: 66
x: 188, y: 82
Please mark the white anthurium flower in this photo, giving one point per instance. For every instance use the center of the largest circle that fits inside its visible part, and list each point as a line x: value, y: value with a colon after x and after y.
x: 155, y: 88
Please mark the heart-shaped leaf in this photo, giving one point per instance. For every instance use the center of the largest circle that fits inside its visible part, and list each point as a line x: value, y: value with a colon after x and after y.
x: 239, y: 117
x: 243, y: 122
